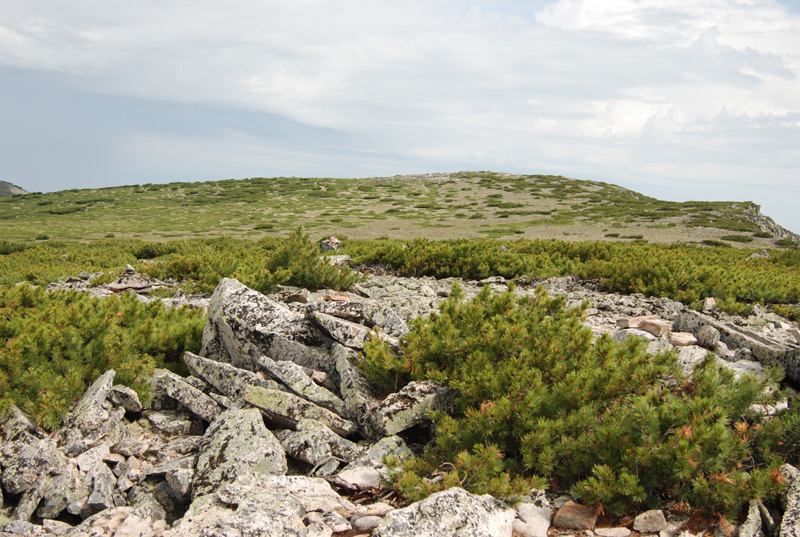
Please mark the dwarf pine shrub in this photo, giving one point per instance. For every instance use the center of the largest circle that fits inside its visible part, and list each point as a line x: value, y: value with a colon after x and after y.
x: 542, y: 400
x: 54, y: 345
x: 262, y: 265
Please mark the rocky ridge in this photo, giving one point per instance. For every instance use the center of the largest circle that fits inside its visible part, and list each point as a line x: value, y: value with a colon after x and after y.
x: 277, y: 432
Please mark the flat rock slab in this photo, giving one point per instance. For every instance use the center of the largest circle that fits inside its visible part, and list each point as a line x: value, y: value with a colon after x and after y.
x: 293, y: 377
x: 237, y: 442
x: 657, y: 327
x: 347, y: 333
x: 257, y: 505
x: 682, y: 339
x: 612, y: 532
x: 187, y: 395
x: 231, y: 381
x: 411, y: 406
x: 450, y: 513
x: 574, y: 516
x: 636, y: 322
x: 288, y: 409
x: 650, y: 521
x: 765, y: 350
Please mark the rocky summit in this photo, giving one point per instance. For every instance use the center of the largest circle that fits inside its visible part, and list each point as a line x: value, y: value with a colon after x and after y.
x: 276, y: 431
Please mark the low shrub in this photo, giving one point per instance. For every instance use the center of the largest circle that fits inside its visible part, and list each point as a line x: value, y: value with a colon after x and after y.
x: 54, y: 345
x: 737, y: 238
x: 7, y: 247
x: 540, y: 400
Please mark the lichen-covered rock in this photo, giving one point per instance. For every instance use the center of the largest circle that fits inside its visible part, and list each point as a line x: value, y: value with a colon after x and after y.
x: 124, y: 397
x: 450, y: 513
x: 24, y: 464
x: 347, y: 333
x: 533, y: 516
x: 370, y: 313
x: 651, y: 521
x: 316, y: 444
x: 17, y: 427
x: 690, y: 357
x: 354, y: 388
x: 314, y: 494
x: 89, y: 414
x: 145, y: 520
x: 28, y: 502
x: 287, y: 410
x: 292, y: 376
x: 411, y: 406
x: 752, y: 524
x: 708, y: 337
x: 369, y: 471
x: 22, y: 527
x: 258, y: 505
x: 387, y: 321
x: 174, y: 422
x: 790, y: 523
x: 188, y: 396
x: 179, y: 474
x: 243, y: 324
x: 92, y: 457
x: 59, y: 493
x: 259, y: 514
x: 229, y: 380
x: 237, y: 442
x: 102, y: 496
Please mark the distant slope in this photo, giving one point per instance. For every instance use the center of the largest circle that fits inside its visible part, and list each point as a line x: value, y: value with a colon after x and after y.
x: 8, y: 189
x: 436, y: 206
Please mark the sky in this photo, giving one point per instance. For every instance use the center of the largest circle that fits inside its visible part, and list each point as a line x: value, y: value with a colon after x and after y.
x: 677, y: 99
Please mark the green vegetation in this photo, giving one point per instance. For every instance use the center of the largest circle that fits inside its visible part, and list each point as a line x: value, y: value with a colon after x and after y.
x: 53, y: 345
x: 737, y: 238
x: 540, y: 401
x: 499, y: 205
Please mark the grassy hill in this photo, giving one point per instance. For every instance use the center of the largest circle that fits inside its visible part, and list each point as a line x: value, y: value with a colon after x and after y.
x: 436, y: 206
x: 8, y: 189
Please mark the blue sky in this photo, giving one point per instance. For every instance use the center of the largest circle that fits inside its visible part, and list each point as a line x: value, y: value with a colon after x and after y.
x: 676, y: 99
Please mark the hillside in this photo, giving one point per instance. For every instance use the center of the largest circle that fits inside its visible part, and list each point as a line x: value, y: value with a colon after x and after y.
x: 9, y: 189
x: 437, y: 206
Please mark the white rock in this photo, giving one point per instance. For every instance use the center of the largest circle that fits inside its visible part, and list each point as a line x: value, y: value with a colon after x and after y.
x: 450, y: 513
x: 651, y: 521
